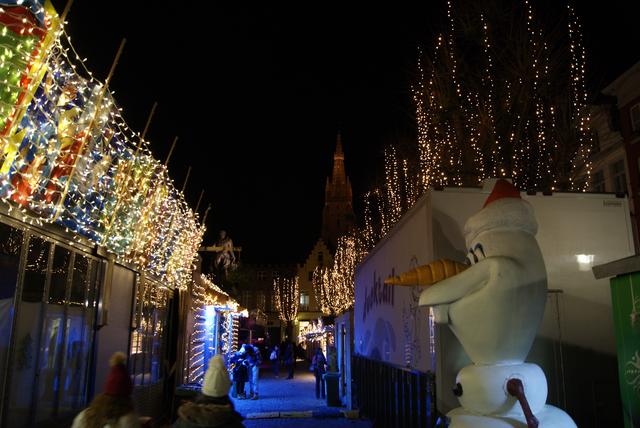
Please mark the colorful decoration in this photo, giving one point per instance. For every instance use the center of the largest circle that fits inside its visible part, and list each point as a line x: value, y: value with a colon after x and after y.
x: 68, y: 157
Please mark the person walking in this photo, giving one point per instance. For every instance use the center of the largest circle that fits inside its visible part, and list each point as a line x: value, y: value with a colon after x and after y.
x: 289, y: 357
x: 255, y: 359
x: 239, y: 373
x: 319, y: 368
x: 213, y: 407
x: 113, y: 408
x: 275, y: 361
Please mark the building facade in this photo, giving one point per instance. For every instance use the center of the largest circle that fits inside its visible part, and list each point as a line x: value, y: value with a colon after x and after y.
x: 309, y: 309
x: 253, y: 289
x: 253, y: 283
x: 626, y: 90
x: 609, y: 170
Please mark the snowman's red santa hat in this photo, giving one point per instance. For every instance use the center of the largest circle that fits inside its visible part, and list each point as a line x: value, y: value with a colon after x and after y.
x: 502, y: 189
x: 503, y: 209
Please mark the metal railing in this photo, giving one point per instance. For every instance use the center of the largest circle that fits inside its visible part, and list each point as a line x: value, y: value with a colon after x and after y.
x: 393, y: 396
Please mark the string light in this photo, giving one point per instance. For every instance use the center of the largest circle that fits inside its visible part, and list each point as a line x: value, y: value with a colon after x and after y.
x: 507, y: 117
x: 316, y: 331
x: 512, y: 113
x: 287, y: 297
x: 69, y: 158
x: 206, y: 295
x: 334, y: 286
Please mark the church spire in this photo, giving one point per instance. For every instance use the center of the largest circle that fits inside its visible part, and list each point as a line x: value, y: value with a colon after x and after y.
x: 339, y: 176
x: 338, y: 154
x: 338, y: 216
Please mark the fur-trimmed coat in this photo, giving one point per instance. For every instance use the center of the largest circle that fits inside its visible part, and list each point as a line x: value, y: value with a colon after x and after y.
x: 208, y: 415
x: 130, y: 420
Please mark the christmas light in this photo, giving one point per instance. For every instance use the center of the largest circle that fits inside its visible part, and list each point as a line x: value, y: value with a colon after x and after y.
x: 287, y: 297
x: 506, y: 114
x: 514, y: 105
x: 334, y: 286
x: 69, y: 158
x: 210, y: 306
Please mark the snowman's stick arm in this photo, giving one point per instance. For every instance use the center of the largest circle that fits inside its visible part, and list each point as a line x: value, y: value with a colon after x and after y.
x: 458, y: 286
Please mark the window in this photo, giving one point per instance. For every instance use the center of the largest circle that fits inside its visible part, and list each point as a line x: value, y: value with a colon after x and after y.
x: 146, y: 340
x: 59, y: 275
x: 619, y: 177
x: 634, y: 113
x: 244, y: 299
x: 310, y: 275
x: 304, y: 302
x: 275, y: 274
x: 262, y: 275
x: 35, y: 275
x: 261, y: 301
x: 596, y: 141
x: 597, y: 182
x: 10, y: 249
x: 320, y: 257
x: 55, y: 322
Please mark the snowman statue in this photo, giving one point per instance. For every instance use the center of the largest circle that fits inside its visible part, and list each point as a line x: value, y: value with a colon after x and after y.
x: 494, y: 307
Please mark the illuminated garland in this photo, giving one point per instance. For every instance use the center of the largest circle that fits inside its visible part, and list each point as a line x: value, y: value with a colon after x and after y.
x: 519, y: 110
x: 315, y: 331
x: 490, y: 118
x: 287, y: 297
x: 334, y: 286
x: 197, y: 337
x: 207, y: 296
x: 68, y: 157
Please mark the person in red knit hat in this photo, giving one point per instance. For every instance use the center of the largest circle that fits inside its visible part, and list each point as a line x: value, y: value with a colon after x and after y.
x: 113, y: 408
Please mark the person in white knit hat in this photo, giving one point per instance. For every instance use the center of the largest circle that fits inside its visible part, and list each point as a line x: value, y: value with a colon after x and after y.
x: 212, y: 408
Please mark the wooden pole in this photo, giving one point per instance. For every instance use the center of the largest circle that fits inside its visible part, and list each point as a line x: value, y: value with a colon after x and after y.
x: 206, y: 213
x: 199, y: 200
x: 146, y: 127
x: 144, y: 133
x: 184, y: 186
x: 113, y: 68
x: 173, y: 146
x: 65, y: 12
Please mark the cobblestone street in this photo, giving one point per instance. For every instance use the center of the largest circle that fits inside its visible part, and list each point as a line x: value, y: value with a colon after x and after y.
x: 291, y: 402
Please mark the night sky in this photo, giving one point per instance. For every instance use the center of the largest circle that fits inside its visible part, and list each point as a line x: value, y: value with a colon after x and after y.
x: 258, y: 93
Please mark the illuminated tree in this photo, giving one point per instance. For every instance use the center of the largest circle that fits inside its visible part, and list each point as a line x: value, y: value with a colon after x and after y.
x: 385, y: 205
x: 287, y: 298
x: 502, y: 94
x: 334, y: 285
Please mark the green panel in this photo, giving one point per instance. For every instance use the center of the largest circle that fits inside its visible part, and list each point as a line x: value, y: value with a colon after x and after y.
x: 625, y: 295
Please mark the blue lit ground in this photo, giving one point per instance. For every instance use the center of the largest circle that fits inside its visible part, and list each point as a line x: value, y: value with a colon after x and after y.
x: 295, y: 395
x: 305, y: 423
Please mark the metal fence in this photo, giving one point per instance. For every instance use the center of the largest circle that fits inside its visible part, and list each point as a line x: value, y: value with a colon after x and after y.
x: 393, y: 396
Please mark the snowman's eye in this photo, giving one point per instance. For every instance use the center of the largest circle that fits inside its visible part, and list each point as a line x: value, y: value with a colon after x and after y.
x: 472, y: 257
x: 479, y: 248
